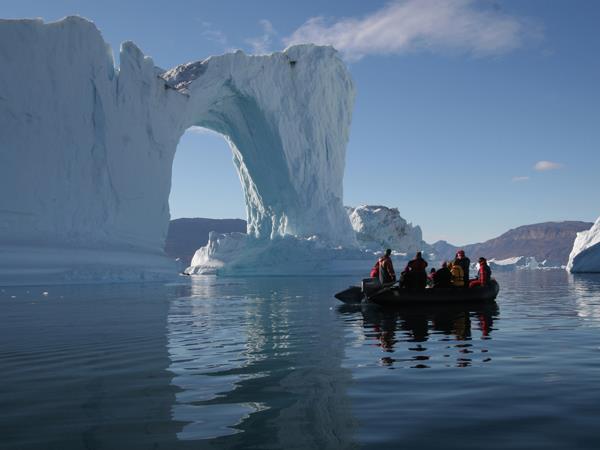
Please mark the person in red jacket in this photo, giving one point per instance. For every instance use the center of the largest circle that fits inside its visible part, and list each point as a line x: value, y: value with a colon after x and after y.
x: 415, y: 274
x: 485, y: 274
x: 384, y: 268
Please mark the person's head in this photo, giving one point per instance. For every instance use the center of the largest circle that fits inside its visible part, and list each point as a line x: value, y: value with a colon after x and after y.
x: 432, y: 270
x: 460, y: 254
x: 388, y: 252
x: 482, y: 260
x: 444, y: 264
x: 419, y: 255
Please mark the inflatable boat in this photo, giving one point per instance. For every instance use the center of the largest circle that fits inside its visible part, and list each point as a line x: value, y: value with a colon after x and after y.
x: 390, y: 295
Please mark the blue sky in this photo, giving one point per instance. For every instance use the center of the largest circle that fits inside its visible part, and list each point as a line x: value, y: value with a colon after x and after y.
x: 457, y: 100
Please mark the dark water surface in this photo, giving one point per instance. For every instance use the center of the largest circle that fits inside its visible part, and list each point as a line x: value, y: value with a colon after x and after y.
x: 279, y: 363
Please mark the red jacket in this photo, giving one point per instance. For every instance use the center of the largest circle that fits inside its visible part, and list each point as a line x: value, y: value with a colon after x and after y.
x: 484, y: 274
x: 416, y: 265
x: 386, y: 263
x: 375, y: 270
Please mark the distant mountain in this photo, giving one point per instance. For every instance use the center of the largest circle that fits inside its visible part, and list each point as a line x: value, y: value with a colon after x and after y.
x: 550, y: 241
x: 185, y: 236
x: 444, y: 250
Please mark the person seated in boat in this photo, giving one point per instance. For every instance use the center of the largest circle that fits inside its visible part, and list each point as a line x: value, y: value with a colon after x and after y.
x: 464, y: 262
x: 406, y: 279
x: 430, y: 277
x: 384, y: 269
x: 442, y: 277
x: 485, y: 274
x: 458, y: 275
x: 403, y: 280
x: 415, y: 272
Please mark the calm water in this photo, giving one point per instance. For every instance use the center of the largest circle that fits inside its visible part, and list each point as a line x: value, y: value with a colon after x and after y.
x: 270, y: 363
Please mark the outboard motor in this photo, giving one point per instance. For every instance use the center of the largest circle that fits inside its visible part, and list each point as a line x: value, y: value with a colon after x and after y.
x: 370, y: 285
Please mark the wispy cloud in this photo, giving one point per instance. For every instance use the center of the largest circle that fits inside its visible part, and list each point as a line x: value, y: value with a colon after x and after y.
x: 263, y: 43
x: 543, y: 166
x: 213, y: 34
x: 408, y: 25
x: 519, y: 179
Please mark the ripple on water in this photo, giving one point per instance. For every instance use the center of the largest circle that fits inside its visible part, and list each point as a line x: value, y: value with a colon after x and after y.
x: 278, y: 363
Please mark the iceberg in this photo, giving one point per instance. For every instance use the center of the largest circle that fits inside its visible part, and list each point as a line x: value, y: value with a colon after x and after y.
x: 87, y: 150
x: 380, y: 227
x: 585, y: 256
x: 239, y: 254
x: 375, y: 229
x: 515, y: 263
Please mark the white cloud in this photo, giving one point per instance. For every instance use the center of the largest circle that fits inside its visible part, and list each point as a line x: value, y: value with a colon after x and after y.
x: 519, y: 179
x: 263, y: 44
x: 408, y: 25
x: 542, y: 166
x: 212, y: 34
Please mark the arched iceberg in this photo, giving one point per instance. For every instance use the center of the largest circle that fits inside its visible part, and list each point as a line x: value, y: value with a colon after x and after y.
x: 87, y: 149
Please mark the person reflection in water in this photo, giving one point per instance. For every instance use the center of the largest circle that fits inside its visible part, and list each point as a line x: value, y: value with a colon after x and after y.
x: 411, y: 328
x: 384, y: 327
x: 417, y: 326
x: 462, y: 326
x: 486, y: 322
x: 453, y: 324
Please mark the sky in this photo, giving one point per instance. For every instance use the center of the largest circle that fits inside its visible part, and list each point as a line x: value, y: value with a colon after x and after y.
x: 471, y: 116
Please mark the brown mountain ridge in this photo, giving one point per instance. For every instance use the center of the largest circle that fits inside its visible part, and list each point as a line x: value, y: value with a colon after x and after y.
x: 548, y: 241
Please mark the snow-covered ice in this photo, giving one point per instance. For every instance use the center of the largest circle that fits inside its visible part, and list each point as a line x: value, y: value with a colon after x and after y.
x: 376, y: 228
x: 241, y: 254
x: 87, y: 149
x: 286, y: 117
x: 585, y: 256
x: 517, y: 263
x: 379, y: 227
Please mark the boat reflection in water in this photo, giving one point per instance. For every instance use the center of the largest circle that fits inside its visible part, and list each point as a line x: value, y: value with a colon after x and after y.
x: 428, y: 335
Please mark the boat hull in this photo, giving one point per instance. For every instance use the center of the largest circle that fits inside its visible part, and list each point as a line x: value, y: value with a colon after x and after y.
x: 396, y: 296
x: 353, y: 294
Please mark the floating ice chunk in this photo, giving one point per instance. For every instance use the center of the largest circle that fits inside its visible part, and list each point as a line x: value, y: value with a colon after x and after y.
x: 380, y: 227
x: 585, y: 256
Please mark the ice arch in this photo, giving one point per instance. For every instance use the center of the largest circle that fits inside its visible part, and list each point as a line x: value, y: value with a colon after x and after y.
x: 87, y: 149
x: 286, y: 117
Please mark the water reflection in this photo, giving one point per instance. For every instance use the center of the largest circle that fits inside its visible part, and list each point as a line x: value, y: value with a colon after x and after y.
x: 429, y: 334
x: 258, y: 362
x: 85, y: 367
x: 274, y: 363
x: 586, y: 287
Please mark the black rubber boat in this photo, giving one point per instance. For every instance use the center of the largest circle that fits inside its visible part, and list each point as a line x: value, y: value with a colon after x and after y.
x: 393, y: 295
x: 353, y: 294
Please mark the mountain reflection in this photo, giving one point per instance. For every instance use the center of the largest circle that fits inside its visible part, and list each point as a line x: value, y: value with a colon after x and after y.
x: 427, y: 334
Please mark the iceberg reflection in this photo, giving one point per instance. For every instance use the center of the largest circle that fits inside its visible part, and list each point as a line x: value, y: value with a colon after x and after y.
x: 266, y: 363
x: 585, y: 287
